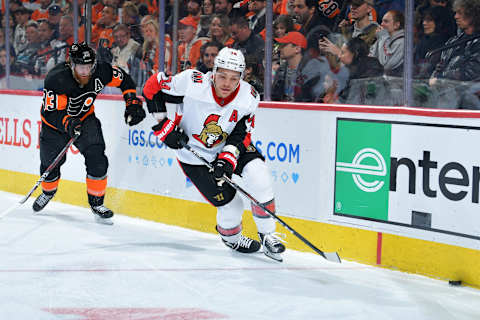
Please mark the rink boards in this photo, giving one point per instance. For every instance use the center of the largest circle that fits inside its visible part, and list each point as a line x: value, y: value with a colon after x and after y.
x: 393, y: 187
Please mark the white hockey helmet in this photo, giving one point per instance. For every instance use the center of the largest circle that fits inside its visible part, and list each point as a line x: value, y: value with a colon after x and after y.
x: 230, y: 59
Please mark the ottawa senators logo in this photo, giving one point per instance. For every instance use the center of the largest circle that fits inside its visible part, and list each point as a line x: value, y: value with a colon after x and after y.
x: 212, y: 134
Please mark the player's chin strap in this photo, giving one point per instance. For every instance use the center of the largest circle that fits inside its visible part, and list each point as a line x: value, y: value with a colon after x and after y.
x: 330, y: 256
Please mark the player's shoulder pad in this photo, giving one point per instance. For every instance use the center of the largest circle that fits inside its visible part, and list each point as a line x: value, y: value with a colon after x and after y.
x: 250, y: 92
x: 57, y: 79
x: 105, y: 69
x: 254, y: 93
x: 194, y: 76
x: 197, y: 76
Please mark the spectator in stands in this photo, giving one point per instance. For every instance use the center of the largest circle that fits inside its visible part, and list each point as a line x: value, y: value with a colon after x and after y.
x: 54, y: 15
x: 245, y: 40
x: 97, y: 8
x: 60, y: 45
x: 102, y: 31
x: 362, y: 27
x: 208, y: 52
x: 22, y: 15
x: 435, y: 32
x: 225, y: 7
x: 11, y: 22
x: 131, y: 18
x: 291, y: 52
x: 26, y: 58
x: 124, y: 47
x: 189, y: 48
x: 220, y: 30
x: 14, y: 5
x: 299, y: 76
x: 354, y: 56
x: 46, y: 36
x: 42, y: 12
x: 149, y: 27
x: 462, y: 62
x: 194, y: 8
x: 421, y: 8
x: 389, y: 48
x: 66, y: 30
x: 282, y: 25
x: 204, y: 26
x: 46, y: 33
x: 208, y: 7
x: 142, y: 68
x: 254, y: 74
x: 306, y: 14
x: 145, y: 8
x: 326, y: 74
x: 3, y: 62
x: 257, y: 20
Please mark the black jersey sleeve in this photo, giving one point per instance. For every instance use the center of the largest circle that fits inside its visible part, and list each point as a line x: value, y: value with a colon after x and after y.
x: 54, y: 100
x: 121, y: 79
x: 240, y: 135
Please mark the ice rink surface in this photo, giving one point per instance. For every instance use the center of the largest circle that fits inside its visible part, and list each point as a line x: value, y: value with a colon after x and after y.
x: 60, y: 264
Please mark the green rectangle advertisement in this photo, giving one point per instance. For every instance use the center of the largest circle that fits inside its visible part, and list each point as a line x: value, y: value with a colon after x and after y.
x: 362, y: 169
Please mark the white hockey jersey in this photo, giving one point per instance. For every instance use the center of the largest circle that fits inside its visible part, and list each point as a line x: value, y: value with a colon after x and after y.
x: 209, y: 121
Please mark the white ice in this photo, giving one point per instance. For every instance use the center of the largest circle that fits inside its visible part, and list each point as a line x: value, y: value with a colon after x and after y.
x: 61, y: 265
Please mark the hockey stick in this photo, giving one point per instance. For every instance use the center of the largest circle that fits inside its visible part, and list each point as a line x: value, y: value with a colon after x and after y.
x: 43, y: 177
x: 330, y: 256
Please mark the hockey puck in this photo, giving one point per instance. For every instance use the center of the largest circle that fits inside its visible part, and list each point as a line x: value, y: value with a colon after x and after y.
x: 455, y: 283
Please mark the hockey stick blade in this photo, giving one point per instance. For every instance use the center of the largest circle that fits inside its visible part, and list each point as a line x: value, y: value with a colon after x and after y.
x: 329, y: 256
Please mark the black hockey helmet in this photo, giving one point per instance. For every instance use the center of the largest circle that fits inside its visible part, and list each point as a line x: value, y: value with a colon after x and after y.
x: 81, y: 53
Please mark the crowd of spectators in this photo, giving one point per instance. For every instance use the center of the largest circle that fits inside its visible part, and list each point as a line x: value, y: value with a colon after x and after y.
x: 320, y: 47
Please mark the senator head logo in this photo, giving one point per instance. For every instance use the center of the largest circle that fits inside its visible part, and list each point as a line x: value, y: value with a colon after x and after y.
x: 212, y: 134
x: 367, y: 162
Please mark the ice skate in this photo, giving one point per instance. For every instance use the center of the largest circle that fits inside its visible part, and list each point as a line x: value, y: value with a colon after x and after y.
x: 272, y: 245
x: 243, y: 245
x: 42, y: 200
x: 102, y: 214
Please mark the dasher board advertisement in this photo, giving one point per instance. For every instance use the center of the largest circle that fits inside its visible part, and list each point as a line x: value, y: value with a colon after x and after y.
x: 417, y: 175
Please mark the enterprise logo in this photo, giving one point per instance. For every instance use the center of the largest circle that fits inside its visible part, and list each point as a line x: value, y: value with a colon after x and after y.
x: 357, y: 168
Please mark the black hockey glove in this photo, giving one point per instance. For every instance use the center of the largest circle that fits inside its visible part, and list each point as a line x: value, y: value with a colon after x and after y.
x: 172, y: 135
x: 134, y: 113
x: 73, y: 126
x: 224, y: 165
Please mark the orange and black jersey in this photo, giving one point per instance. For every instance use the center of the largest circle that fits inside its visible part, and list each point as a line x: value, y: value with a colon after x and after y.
x: 63, y: 97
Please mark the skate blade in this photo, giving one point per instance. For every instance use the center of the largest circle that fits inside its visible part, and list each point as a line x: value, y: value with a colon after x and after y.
x: 100, y: 220
x: 274, y: 256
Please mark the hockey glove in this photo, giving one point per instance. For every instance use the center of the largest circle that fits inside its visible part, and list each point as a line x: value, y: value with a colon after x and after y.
x: 134, y: 112
x: 172, y: 135
x: 73, y: 126
x: 224, y: 165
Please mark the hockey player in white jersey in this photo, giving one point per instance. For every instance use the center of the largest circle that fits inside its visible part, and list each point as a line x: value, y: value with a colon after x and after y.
x: 215, y: 115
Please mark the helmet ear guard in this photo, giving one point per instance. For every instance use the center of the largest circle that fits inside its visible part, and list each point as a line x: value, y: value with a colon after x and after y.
x: 230, y: 59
